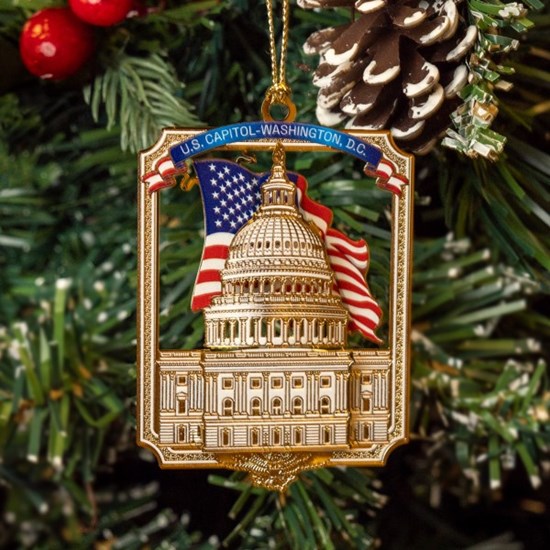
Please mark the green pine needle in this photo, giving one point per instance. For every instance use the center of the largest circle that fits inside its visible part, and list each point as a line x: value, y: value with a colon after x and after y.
x: 142, y: 96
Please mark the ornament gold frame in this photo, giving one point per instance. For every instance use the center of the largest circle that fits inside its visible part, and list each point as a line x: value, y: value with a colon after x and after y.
x: 266, y: 467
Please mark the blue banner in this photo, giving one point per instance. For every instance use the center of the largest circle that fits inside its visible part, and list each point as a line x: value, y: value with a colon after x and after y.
x: 248, y: 131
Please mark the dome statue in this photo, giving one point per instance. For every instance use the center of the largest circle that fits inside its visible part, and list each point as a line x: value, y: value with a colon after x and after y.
x: 277, y: 283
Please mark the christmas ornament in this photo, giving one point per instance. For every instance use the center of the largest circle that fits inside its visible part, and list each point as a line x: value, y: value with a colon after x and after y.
x: 103, y: 13
x: 275, y: 390
x: 54, y: 44
x: 398, y: 65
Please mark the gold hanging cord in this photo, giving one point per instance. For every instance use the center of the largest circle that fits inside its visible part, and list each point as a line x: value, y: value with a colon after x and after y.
x: 279, y: 92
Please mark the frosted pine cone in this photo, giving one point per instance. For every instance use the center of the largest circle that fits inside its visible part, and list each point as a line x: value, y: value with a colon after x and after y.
x: 399, y: 65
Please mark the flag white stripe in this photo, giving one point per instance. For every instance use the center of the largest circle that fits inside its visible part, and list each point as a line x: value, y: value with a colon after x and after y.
x: 364, y: 328
x: 337, y: 261
x: 155, y: 178
x: 351, y: 295
x: 165, y: 165
x: 364, y: 312
x: 386, y: 167
x: 340, y: 276
x: 398, y: 182
x: 318, y: 221
x: 360, y: 253
x: 359, y: 264
x: 340, y: 243
x: 212, y: 263
x: 207, y: 288
x: 217, y: 239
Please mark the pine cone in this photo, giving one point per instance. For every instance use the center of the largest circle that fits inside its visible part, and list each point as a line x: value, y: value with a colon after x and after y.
x: 399, y: 65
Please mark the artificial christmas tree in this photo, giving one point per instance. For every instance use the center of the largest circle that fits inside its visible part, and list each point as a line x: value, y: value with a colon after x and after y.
x: 475, y: 471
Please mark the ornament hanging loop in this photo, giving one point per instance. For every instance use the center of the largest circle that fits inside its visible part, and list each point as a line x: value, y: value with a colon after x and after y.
x: 279, y: 93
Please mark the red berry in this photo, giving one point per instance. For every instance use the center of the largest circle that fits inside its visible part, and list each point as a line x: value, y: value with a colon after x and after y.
x: 55, y: 44
x: 101, y: 12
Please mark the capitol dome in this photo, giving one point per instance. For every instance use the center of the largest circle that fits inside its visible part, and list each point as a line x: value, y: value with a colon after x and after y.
x: 277, y: 283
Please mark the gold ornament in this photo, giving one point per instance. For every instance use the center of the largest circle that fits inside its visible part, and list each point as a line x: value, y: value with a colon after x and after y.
x: 275, y: 390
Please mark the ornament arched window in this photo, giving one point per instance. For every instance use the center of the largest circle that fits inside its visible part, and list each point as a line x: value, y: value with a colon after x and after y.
x: 277, y: 405
x: 325, y: 405
x: 314, y: 333
x: 256, y: 406
x: 263, y: 328
x: 277, y: 327
x: 287, y: 289
x: 227, y: 406
x: 291, y: 331
x: 297, y: 405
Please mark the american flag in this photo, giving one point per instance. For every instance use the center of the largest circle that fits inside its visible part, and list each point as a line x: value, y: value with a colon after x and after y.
x: 231, y: 195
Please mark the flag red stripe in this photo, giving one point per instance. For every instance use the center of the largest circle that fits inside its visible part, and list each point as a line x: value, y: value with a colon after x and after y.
x: 366, y: 327
x: 375, y: 308
x: 208, y: 276
x: 361, y: 267
x: 202, y: 300
x: 162, y: 184
x: 364, y: 331
x: 354, y: 287
x: 359, y: 255
x: 216, y: 251
x: 169, y: 172
x: 348, y: 271
x: 365, y: 321
x: 359, y: 260
x: 309, y: 205
x: 359, y: 243
x: 149, y: 175
x: 356, y: 306
x: 358, y: 267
